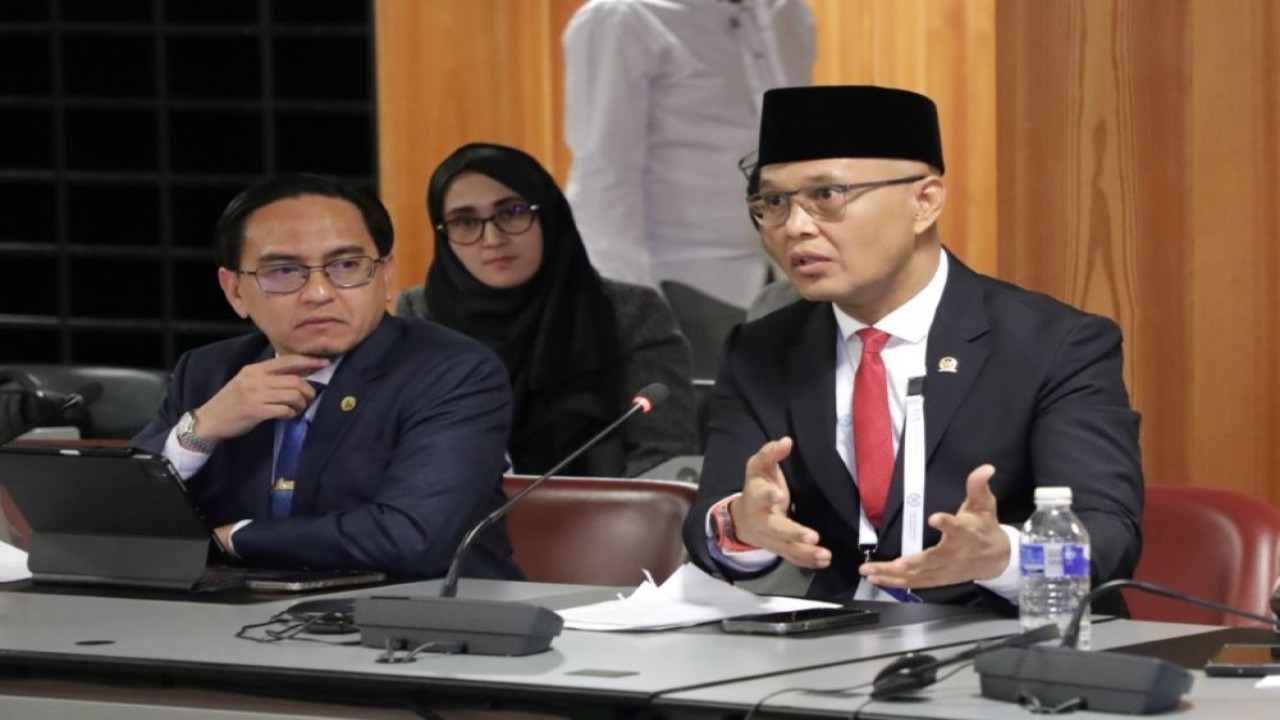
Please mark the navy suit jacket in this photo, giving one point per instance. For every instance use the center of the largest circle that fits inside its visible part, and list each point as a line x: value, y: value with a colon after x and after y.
x: 390, y: 484
x: 1037, y: 391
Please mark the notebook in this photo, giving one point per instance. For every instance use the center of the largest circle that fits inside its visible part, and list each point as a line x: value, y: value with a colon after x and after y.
x: 119, y: 518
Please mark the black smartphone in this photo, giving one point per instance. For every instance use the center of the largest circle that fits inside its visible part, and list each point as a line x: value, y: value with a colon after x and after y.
x: 1241, y: 660
x: 798, y: 621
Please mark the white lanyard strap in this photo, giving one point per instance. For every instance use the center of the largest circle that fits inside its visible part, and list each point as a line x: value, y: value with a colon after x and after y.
x: 913, y: 469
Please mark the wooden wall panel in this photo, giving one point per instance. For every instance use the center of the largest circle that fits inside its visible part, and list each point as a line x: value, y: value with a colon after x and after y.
x: 944, y: 49
x: 454, y: 71
x: 1234, y: 103
x: 1137, y: 159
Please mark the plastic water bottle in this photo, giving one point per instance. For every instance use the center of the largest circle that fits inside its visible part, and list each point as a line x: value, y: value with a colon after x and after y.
x: 1054, y: 564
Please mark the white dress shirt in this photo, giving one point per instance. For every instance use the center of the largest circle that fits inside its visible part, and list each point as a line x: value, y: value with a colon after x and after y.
x: 662, y: 100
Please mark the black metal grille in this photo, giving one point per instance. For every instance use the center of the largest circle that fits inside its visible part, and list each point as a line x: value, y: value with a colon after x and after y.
x: 127, y: 126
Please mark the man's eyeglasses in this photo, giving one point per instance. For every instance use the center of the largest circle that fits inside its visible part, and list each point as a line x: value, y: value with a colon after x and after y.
x: 288, y: 277
x: 821, y: 202
x: 512, y: 219
x: 747, y: 164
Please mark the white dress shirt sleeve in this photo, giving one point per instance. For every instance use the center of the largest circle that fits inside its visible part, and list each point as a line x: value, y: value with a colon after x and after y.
x: 1006, y: 584
x: 186, y: 462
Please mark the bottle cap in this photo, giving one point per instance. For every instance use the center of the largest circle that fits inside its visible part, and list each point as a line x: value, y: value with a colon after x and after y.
x: 1053, y: 495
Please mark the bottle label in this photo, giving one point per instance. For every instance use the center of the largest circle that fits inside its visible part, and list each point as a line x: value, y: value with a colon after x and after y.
x: 1055, y: 560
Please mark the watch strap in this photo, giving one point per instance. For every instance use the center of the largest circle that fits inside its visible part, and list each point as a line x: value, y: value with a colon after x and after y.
x: 188, y: 438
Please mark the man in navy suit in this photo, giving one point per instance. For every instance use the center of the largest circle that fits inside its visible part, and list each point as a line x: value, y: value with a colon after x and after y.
x: 1018, y: 390
x: 402, y: 424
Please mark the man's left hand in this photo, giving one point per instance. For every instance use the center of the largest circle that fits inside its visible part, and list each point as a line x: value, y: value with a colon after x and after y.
x: 973, y: 546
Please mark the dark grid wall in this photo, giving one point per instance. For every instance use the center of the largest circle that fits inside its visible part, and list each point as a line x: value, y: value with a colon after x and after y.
x: 126, y: 126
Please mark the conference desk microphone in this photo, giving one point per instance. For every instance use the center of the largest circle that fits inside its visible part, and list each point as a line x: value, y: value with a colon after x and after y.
x: 86, y: 395
x: 479, y: 627
x: 1048, y: 676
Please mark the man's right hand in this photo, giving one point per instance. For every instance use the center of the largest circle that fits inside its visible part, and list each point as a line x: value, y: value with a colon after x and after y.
x: 275, y: 389
x: 760, y: 514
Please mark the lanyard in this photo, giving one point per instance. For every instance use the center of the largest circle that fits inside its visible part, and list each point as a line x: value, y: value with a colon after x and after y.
x: 912, y: 488
x: 913, y: 469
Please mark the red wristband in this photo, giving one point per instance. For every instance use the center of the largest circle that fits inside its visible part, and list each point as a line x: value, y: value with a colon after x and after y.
x: 726, y: 538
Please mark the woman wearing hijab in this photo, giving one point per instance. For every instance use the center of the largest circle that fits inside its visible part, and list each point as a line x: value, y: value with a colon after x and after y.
x: 510, y: 270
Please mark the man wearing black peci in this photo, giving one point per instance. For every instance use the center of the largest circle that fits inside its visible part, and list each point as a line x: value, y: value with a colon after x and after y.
x: 813, y: 439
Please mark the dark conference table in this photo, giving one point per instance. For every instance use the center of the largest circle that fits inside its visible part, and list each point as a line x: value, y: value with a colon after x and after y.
x: 75, y: 654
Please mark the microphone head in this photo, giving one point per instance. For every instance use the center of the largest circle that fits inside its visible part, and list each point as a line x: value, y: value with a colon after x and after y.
x: 89, y: 393
x: 905, y: 675
x: 650, y: 395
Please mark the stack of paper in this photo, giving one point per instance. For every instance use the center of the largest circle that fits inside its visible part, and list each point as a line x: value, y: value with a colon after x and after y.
x: 688, y: 597
x: 13, y: 564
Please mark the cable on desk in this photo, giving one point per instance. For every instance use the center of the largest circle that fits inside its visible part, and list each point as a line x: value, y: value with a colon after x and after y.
x: 393, y: 646
x: 942, y: 678
x: 294, y: 624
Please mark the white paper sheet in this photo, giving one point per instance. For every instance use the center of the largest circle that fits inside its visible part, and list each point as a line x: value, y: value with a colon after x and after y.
x: 13, y: 564
x: 688, y: 597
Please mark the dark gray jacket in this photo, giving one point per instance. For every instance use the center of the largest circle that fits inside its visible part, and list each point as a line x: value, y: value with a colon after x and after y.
x: 653, y: 350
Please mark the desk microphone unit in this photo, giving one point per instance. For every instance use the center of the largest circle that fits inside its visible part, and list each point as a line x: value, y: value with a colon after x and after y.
x: 478, y: 627
x: 1102, y: 682
x: 84, y: 396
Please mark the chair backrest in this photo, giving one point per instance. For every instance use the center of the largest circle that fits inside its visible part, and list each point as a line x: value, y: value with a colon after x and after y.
x: 705, y: 322
x: 130, y: 398
x: 1220, y: 545
x: 598, y: 531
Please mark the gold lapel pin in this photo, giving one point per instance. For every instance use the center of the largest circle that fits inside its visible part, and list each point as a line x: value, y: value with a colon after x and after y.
x: 948, y: 364
x: 348, y: 403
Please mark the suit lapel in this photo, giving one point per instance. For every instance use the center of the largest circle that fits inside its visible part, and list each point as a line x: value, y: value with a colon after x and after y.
x: 341, y: 406
x: 811, y: 393
x: 954, y: 356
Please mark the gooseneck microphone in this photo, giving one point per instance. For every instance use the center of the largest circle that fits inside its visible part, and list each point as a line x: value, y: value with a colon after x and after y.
x: 645, y: 400
x: 1072, y: 634
x: 1103, y: 682
x: 85, y: 395
x: 479, y: 627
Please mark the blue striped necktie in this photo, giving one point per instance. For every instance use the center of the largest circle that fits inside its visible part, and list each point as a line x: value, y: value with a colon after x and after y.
x: 293, y: 433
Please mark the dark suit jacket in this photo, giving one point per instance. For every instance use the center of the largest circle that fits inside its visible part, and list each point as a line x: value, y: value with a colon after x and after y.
x: 392, y: 484
x: 1037, y: 392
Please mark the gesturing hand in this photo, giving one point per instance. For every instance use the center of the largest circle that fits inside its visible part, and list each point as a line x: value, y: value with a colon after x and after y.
x: 270, y: 390
x: 973, y: 546
x: 760, y: 515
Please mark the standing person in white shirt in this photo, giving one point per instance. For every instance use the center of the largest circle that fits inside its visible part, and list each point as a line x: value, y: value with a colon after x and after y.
x: 662, y: 100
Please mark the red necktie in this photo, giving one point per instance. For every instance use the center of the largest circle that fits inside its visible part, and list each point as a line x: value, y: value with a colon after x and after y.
x: 872, y: 426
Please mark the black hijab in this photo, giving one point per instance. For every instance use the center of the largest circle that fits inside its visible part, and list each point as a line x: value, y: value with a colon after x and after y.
x: 556, y: 333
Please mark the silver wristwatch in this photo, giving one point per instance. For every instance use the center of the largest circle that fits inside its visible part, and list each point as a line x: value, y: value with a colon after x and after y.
x: 187, y: 436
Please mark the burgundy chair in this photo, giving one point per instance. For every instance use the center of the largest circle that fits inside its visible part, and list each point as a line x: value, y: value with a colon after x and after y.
x: 598, y: 531
x: 1220, y: 545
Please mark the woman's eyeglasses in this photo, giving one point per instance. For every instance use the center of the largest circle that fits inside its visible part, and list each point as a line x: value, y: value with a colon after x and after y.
x: 512, y: 219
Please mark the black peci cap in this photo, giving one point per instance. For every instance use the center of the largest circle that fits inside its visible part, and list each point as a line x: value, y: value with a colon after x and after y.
x: 849, y: 121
